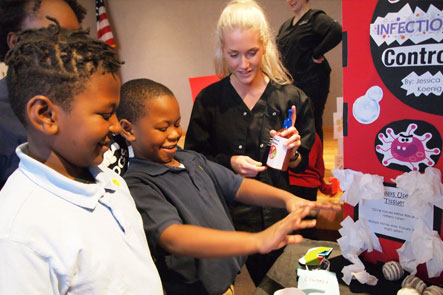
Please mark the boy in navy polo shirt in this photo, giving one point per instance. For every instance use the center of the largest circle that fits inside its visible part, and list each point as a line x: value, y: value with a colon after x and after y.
x: 182, y: 198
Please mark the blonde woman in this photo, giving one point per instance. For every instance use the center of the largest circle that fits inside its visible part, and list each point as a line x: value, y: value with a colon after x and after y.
x: 233, y: 120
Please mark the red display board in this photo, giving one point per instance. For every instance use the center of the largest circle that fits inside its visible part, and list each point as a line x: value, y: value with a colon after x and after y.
x: 198, y: 83
x: 393, y: 94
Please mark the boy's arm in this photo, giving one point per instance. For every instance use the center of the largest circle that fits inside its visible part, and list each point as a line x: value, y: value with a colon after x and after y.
x: 23, y: 271
x: 257, y: 193
x: 200, y: 242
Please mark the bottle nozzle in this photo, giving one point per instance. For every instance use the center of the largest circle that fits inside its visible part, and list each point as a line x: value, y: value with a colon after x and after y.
x: 288, y: 122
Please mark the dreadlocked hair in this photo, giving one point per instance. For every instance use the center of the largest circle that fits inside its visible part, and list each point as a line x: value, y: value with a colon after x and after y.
x: 56, y: 63
x: 133, y: 97
x: 14, y: 12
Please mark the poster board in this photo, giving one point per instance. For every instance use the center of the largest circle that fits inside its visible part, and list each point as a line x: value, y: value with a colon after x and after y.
x: 198, y: 83
x: 393, y: 97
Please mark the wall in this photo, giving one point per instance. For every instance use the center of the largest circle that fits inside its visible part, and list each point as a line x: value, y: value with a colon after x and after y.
x: 170, y: 41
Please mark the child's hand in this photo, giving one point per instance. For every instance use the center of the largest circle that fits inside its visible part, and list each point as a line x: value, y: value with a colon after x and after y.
x: 278, y: 235
x: 294, y: 203
x: 246, y: 166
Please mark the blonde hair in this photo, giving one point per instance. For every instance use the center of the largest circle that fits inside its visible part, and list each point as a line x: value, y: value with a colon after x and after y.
x: 245, y: 15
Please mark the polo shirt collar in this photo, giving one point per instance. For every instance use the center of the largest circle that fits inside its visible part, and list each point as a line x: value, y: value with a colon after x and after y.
x: 78, y: 193
x: 154, y: 169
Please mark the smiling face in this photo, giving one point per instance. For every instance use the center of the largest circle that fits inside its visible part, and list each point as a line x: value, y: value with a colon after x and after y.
x: 157, y: 133
x: 85, y: 130
x: 243, y: 52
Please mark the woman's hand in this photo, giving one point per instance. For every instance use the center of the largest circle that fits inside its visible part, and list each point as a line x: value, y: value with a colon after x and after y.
x: 294, y: 140
x: 246, y: 166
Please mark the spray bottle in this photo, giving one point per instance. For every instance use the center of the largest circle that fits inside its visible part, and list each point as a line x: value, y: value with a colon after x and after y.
x: 279, y: 155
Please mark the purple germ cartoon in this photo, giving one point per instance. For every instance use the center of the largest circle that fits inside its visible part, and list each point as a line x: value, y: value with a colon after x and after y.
x: 406, y: 148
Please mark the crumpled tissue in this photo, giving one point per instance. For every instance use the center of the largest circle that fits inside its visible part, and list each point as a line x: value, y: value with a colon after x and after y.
x: 424, y: 190
x: 356, y: 238
x: 357, y: 186
x: 423, y: 246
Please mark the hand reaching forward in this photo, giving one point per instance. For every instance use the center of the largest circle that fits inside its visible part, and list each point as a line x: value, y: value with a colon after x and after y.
x: 326, y: 209
x: 278, y: 235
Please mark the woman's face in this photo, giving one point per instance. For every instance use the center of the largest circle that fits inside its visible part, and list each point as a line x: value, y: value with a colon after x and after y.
x: 242, y: 52
x: 297, y: 5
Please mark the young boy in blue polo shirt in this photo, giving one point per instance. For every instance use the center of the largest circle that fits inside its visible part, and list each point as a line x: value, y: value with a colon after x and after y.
x: 68, y: 226
x: 182, y: 197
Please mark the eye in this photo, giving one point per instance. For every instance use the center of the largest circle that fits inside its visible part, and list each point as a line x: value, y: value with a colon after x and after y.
x: 106, y: 116
x: 252, y: 53
x: 233, y: 54
x: 162, y: 127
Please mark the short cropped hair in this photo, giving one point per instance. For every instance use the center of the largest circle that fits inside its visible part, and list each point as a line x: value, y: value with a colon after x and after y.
x: 135, y: 93
x: 56, y: 63
x: 14, y: 12
x: 248, y: 15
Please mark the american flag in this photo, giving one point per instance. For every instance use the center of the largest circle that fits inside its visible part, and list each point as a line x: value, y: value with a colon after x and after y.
x: 104, y: 32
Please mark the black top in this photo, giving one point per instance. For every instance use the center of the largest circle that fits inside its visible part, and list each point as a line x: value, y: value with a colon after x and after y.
x: 222, y: 126
x: 12, y: 134
x: 167, y: 195
x: 312, y: 36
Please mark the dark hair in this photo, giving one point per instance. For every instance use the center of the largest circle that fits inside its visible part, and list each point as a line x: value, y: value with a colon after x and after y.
x: 133, y: 95
x: 56, y: 63
x: 14, y: 12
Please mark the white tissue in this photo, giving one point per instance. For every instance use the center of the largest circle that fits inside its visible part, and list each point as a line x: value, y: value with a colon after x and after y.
x: 357, y: 270
x: 424, y: 246
x: 356, y: 238
x: 424, y: 190
x: 357, y: 186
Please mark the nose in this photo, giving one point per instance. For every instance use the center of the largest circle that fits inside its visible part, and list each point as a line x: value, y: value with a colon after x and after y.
x: 175, y: 134
x: 244, y: 62
x: 115, y: 126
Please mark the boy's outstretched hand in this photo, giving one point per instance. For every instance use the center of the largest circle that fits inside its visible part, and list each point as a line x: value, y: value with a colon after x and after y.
x: 278, y: 235
x: 328, y: 210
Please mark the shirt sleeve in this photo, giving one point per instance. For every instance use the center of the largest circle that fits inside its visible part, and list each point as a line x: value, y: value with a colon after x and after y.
x: 228, y: 182
x: 156, y: 211
x: 200, y: 130
x: 24, y: 271
x: 331, y: 32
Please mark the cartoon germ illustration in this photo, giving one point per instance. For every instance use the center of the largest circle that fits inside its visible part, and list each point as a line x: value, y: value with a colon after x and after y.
x: 406, y: 148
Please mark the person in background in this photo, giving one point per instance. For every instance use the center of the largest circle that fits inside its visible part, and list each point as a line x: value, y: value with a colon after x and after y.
x: 68, y: 226
x: 17, y: 15
x: 307, y: 183
x: 303, y: 40
x: 233, y: 120
x: 182, y: 198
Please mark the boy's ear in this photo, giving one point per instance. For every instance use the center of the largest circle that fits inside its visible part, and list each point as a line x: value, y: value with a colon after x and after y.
x: 11, y: 39
x: 127, y: 130
x: 42, y: 114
